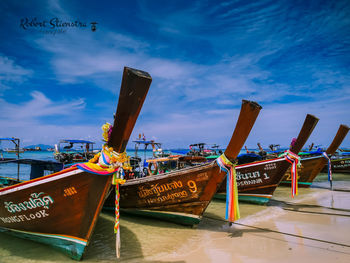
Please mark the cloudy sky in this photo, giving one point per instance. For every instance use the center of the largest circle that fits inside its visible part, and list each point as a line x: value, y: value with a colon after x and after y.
x: 292, y: 57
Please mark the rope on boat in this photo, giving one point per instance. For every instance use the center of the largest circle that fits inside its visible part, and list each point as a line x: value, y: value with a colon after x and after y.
x: 293, y: 205
x: 283, y: 233
x: 108, y: 162
x: 294, y: 235
x: 294, y: 160
x: 312, y: 212
x: 330, y: 179
x: 232, y: 207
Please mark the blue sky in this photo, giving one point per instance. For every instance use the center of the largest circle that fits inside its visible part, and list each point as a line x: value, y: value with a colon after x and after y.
x: 292, y: 57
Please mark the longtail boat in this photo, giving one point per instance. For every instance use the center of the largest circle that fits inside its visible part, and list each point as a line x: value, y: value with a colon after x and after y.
x: 59, y: 209
x: 258, y: 180
x: 312, y: 166
x: 73, y: 151
x: 181, y: 196
x: 339, y: 164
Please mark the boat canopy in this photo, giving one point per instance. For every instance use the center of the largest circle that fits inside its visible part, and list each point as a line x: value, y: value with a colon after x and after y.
x: 75, y: 141
x: 180, y: 151
x: 198, y: 144
x: 9, y: 139
x: 318, y: 151
x: 146, y: 142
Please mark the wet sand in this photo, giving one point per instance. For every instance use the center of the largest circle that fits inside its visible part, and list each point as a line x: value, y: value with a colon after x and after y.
x: 313, y: 227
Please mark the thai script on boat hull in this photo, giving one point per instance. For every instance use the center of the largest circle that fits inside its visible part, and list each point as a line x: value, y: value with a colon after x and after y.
x: 158, y: 189
x: 254, y: 177
x: 342, y: 164
x: 35, y: 201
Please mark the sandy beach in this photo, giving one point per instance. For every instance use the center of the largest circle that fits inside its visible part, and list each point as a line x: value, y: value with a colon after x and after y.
x: 312, y: 227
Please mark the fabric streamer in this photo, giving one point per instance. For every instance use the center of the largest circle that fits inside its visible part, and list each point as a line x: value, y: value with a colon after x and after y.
x: 108, y: 162
x: 116, y: 181
x: 232, y: 208
x: 294, y: 160
x: 330, y: 179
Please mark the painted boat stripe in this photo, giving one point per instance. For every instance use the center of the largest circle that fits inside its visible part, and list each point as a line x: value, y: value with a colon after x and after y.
x: 289, y: 182
x: 32, y: 183
x: 64, y: 237
x: 164, y: 212
x: 256, y: 195
x: 310, y: 158
x: 259, y: 163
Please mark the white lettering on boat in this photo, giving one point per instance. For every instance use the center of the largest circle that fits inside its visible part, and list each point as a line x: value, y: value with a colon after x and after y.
x: 250, y: 178
x: 35, y: 201
x: 343, y: 164
x: 270, y: 166
x: 21, y: 218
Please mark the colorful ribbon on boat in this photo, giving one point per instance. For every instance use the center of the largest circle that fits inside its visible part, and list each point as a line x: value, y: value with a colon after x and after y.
x: 329, y: 166
x: 106, y: 162
x: 294, y: 160
x: 232, y: 208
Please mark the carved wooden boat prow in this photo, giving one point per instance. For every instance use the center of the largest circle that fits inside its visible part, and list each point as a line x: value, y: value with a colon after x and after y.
x: 312, y: 166
x: 257, y: 181
x: 183, y: 195
x: 59, y: 209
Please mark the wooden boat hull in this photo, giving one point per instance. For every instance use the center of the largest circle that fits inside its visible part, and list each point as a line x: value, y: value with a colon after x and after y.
x: 60, y: 209
x: 341, y: 165
x: 179, y: 196
x: 313, y: 165
x: 182, y: 196
x: 305, y: 172
x: 306, y: 175
x: 257, y: 181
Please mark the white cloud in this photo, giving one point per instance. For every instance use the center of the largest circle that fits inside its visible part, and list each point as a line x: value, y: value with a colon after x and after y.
x: 277, y: 123
x: 33, y: 132
x: 11, y: 72
x: 39, y: 106
x: 180, y: 86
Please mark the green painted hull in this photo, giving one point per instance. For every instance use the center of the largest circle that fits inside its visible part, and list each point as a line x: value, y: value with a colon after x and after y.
x: 245, y: 198
x: 71, y: 247
x: 304, y: 184
x: 178, y: 218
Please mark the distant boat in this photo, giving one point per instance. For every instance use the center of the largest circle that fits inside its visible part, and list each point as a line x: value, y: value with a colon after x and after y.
x: 16, y: 142
x: 61, y: 209
x: 313, y: 162
x: 339, y: 164
x: 258, y: 180
x: 35, y: 149
x: 74, y: 151
x: 21, y: 150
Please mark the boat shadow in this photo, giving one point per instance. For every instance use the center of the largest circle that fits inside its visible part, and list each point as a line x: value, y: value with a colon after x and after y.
x: 100, y: 248
x: 308, y: 208
x: 23, y: 250
x: 215, y: 223
x: 102, y: 243
x: 148, y: 220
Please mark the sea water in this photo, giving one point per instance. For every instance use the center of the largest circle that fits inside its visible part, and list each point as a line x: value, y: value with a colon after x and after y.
x: 11, y: 169
x: 151, y: 240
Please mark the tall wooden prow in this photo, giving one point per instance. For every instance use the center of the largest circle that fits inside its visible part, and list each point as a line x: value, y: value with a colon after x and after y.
x: 133, y: 91
x: 338, y: 139
x: 249, y: 112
